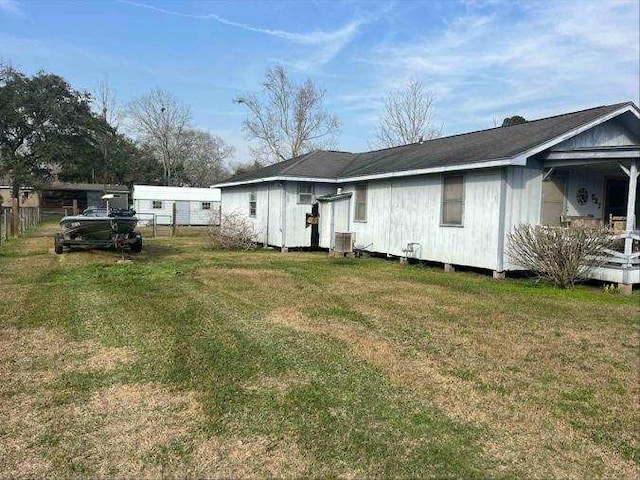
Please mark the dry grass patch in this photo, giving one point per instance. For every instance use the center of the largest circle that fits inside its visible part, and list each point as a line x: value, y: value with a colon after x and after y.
x: 249, y: 458
x: 280, y: 385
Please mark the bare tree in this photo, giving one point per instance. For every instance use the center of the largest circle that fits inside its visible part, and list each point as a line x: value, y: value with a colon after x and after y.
x: 204, y: 163
x: 162, y: 123
x: 560, y: 255
x: 105, y: 103
x: 407, y: 117
x: 288, y: 120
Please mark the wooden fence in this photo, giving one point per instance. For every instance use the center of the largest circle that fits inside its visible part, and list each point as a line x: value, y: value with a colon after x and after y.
x: 29, y: 217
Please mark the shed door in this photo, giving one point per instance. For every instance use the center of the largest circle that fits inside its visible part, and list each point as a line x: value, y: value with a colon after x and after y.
x: 552, y: 200
x: 182, y: 213
x: 324, y: 224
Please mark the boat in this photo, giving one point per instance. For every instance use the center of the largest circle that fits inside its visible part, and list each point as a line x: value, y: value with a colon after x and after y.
x: 99, y: 223
x: 99, y: 227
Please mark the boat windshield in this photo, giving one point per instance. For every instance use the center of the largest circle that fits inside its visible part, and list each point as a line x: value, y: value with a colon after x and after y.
x: 96, y: 212
x: 112, y: 212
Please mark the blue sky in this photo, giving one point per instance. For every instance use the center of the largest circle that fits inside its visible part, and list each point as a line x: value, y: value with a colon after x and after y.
x: 482, y: 60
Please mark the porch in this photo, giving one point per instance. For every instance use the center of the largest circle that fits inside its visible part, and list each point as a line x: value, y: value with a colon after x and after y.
x: 598, y: 188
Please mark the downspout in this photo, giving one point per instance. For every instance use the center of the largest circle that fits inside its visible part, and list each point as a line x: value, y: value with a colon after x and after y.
x: 501, y: 220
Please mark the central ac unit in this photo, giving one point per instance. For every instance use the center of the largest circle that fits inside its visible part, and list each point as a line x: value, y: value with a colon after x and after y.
x: 344, y: 242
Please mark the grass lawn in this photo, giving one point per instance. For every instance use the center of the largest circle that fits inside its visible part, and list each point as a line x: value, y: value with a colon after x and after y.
x: 192, y: 362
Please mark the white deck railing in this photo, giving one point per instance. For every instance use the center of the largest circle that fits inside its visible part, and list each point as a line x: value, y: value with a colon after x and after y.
x: 618, y: 257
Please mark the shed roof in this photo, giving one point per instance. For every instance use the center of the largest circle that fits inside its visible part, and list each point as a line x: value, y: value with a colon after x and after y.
x: 157, y: 192
x: 89, y: 187
x: 455, y: 150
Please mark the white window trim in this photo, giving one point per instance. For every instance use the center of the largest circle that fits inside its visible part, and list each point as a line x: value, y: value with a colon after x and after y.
x: 366, y: 202
x: 153, y: 205
x: 312, y: 193
x: 462, y: 200
x: 253, y: 198
x: 202, y: 205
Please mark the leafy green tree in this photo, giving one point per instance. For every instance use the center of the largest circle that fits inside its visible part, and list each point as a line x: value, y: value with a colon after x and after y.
x: 514, y: 120
x: 43, y: 124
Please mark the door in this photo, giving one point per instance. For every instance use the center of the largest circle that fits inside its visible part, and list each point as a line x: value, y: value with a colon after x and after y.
x: 324, y: 224
x: 315, y: 232
x: 182, y: 213
x: 616, y: 198
x: 553, y: 200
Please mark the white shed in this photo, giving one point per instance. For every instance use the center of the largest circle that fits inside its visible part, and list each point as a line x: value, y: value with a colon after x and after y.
x: 194, y: 206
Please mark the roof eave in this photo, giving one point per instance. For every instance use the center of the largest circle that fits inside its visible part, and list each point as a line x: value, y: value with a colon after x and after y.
x: 275, y: 178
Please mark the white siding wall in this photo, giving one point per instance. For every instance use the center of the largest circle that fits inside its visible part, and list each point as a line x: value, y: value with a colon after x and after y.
x: 144, y: 209
x: 594, y: 183
x: 523, y: 201
x: 297, y: 234
x: 274, y: 223
x: 409, y: 210
x: 235, y: 201
x: 144, y: 195
x: 197, y: 216
x: 271, y: 211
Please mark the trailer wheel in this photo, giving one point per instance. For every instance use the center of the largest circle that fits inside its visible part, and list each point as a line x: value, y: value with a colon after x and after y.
x: 136, y: 246
x: 57, y: 243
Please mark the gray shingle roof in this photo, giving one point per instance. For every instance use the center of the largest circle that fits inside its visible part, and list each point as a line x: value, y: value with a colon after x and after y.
x: 473, y: 147
x: 318, y: 164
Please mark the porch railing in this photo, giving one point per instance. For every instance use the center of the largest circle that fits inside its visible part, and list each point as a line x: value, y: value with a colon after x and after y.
x: 616, y: 255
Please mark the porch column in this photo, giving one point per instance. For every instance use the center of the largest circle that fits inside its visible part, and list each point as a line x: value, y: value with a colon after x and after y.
x: 631, y: 202
x: 631, y: 207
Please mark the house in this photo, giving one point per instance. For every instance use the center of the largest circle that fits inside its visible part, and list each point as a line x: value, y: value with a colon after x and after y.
x: 455, y: 199
x: 194, y: 206
x: 59, y: 195
x: 29, y: 197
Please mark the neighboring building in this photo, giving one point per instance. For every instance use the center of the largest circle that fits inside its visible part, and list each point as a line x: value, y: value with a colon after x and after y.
x: 194, y: 206
x: 455, y: 199
x: 28, y: 197
x: 61, y: 195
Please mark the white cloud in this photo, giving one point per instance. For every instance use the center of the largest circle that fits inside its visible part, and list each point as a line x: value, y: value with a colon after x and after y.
x: 9, y: 6
x: 535, y: 58
x: 328, y: 43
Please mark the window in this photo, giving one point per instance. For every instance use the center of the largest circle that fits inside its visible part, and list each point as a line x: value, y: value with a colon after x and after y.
x: 156, y: 204
x: 360, y: 214
x: 206, y: 205
x: 452, y: 198
x: 253, y: 203
x: 305, y: 193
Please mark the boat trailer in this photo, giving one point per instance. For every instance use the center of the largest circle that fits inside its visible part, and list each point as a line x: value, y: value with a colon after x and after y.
x: 119, y: 241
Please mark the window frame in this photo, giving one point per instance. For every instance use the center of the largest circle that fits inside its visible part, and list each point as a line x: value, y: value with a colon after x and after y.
x: 443, y: 201
x: 253, y: 203
x: 208, y: 205
x: 311, y: 194
x: 360, y: 187
x: 157, y: 205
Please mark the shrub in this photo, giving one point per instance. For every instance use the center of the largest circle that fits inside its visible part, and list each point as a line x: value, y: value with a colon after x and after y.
x: 235, y: 232
x: 561, y: 255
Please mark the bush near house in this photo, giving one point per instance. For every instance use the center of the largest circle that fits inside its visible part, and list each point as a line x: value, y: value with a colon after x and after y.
x: 562, y: 255
x: 235, y: 232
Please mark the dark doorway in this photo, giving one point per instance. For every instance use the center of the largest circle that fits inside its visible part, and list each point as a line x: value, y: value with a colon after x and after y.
x: 616, y: 198
x: 315, y: 232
